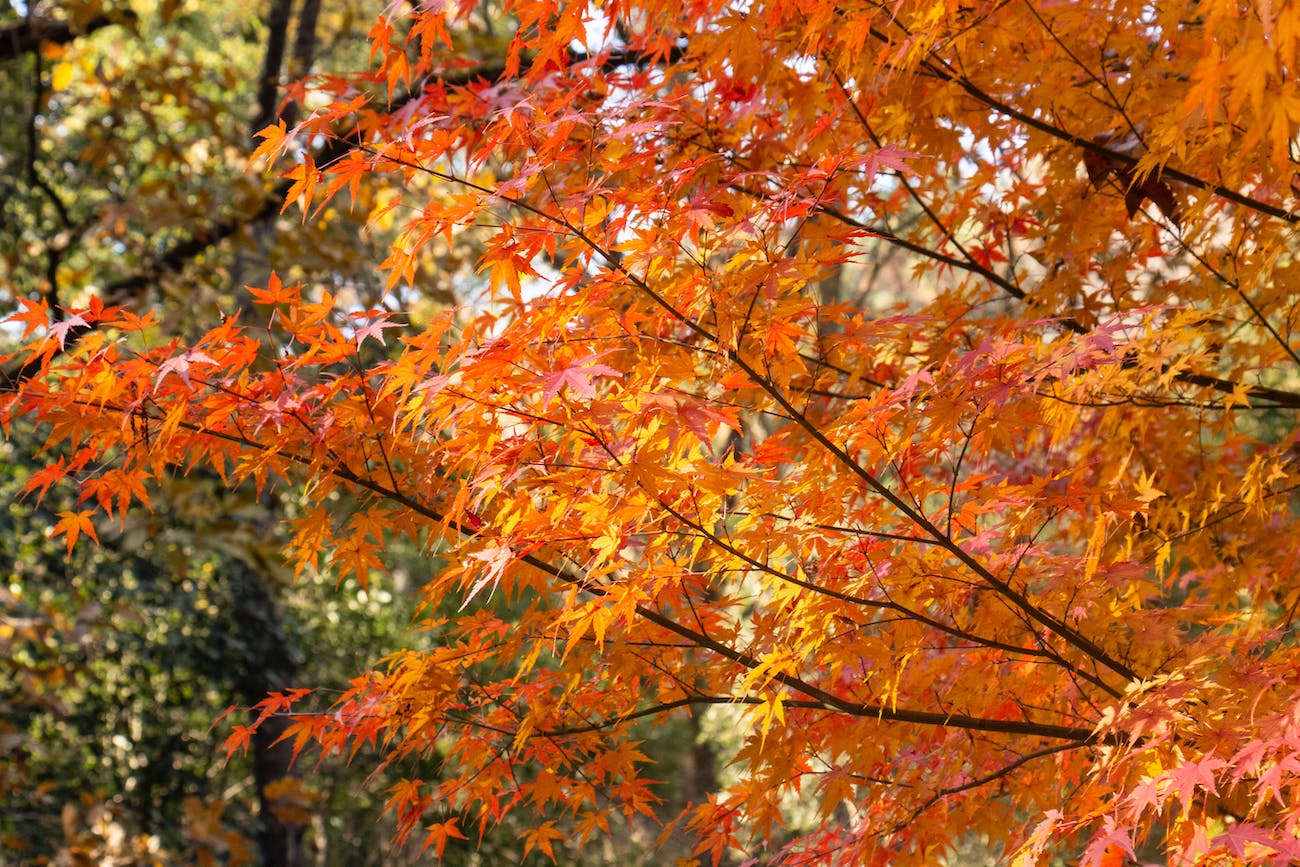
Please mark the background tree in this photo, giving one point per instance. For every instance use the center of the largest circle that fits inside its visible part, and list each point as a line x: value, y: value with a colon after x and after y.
x: 1014, y: 557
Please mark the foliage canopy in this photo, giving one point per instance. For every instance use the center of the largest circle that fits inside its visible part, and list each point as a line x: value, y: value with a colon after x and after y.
x: 1011, y: 551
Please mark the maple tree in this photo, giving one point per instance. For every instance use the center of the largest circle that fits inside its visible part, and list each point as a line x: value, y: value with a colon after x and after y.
x: 1009, y: 553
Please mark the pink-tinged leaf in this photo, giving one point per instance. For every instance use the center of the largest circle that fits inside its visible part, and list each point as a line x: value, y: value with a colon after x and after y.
x: 886, y: 158
x: 578, y: 378
x: 696, y: 415
x: 1110, y: 835
x: 374, y: 329
x: 497, y: 559
x: 1043, y: 832
x: 180, y: 366
x: 1144, y: 796
x: 1188, y: 777
x: 59, y: 330
x: 633, y: 130
x: 1239, y: 837
x: 1271, y: 781
x: 1249, y: 758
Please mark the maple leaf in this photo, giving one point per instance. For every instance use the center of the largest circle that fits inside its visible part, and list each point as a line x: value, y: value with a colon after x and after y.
x: 375, y: 329
x: 275, y: 292
x: 305, y: 176
x: 72, y: 524
x: 438, y: 834
x: 541, y: 838
x: 238, y: 739
x: 273, y: 141
x: 180, y: 366
x: 579, y: 378
x: 41, y: 479
x: 1186, y: 778
x: 34, y: 315
x: 497, y: 558
x: 1144, y: 796
x: 1239, y: 837
x: 887, y: 158
x: 1106, y: 845
x: 73, y: 322
x: 301, y: 730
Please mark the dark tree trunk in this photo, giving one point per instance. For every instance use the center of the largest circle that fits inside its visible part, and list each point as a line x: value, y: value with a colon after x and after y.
x: 268, y: 86
x: 304, y: 51
x: 270, y: 666
x: 281, y: 844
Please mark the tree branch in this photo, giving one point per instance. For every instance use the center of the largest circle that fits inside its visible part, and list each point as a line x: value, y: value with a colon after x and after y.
x: 184, y: 252
x: 941, y: 70
x: 815, y: 697
x: 1078, y: 736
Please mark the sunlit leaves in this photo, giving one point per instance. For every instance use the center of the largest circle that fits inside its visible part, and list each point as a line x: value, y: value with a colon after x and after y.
x: 1009, y: 542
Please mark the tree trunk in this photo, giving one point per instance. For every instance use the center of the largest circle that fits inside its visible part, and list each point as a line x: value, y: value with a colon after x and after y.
x: 269, y: 666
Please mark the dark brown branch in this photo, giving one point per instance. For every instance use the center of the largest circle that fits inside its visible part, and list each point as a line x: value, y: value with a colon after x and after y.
x: 816, y: 697
x: 942, y: 71
x: 877, y: 604
x: 984, y: 780
x: 1004, y: 589
x: 1079, y: 736
x: 820, y: 699
x: 1259, y: 395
